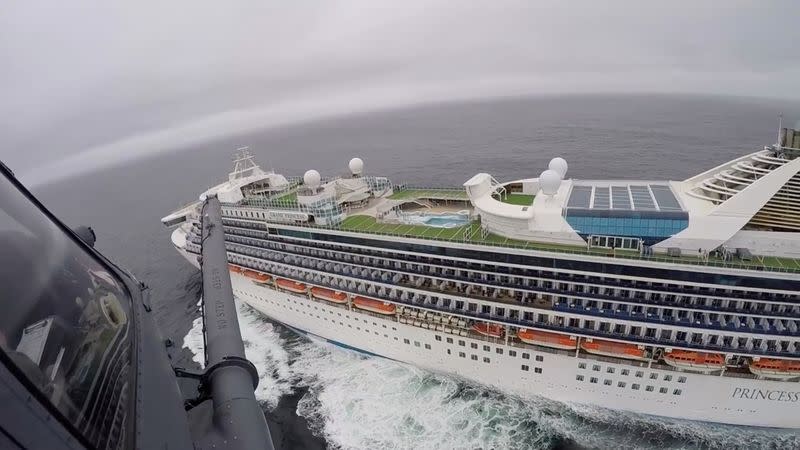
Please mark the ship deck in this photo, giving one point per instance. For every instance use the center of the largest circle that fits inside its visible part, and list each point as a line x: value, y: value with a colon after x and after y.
x: 471, y: 233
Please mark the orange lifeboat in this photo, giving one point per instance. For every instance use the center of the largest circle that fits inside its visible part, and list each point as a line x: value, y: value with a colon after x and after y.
x: 492, y: 330
x: 614, y: 349
x: 780, y: 369
x: 329, y: 295
x: 256, y: 276
x: 695, y: 361
x: 545, y: 339
x: 234, y: 269
x: 375, y: 306
x: 291, y: 286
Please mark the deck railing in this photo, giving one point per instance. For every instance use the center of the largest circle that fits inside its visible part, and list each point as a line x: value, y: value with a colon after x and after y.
x: 513, y: 342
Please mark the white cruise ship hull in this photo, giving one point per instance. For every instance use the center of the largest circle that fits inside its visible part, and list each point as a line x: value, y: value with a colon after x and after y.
x: 700, y: 397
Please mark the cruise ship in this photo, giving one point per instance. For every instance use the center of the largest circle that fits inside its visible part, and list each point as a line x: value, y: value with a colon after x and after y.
x: 677, y: 299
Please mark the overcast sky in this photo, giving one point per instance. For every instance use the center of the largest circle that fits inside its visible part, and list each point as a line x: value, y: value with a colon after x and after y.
x: 86, y: 83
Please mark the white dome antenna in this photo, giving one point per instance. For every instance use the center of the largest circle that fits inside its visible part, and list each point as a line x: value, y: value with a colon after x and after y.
x: 559, y: 164
x: 549, y: 182
x: 312, y: 179
x: 356, y: 167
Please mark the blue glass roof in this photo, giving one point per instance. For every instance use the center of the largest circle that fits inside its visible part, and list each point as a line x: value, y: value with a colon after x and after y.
x: 645, y: 210
x: 624, y: 197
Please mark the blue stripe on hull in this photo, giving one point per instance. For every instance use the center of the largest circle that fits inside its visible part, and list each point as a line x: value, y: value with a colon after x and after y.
x: 336, y: 343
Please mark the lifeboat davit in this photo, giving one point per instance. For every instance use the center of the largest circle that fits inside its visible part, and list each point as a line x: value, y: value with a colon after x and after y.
x: 256, y: 276
x: 779, y: 369
x: 488, y: 329
x: 292, y: 286
x: 545, y: 339
x: 329, y: 295
x: 234, y: 269
x: 614, y: 349
x: 695, y: 361
x: 375, y: 306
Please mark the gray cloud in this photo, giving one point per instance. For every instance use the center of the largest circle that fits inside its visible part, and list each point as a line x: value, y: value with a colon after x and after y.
x: 85, y: 84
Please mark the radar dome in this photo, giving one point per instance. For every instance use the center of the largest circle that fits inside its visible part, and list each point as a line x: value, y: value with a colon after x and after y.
x: 356, y: 166
x: 559, y: 164
x: 549, y: 181
x: 311, y: 179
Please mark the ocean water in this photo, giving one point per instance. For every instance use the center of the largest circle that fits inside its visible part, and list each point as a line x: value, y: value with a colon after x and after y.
x: 319, y: 396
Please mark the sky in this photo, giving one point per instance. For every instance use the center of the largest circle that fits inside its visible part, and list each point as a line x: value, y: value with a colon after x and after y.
x: 85, y: 84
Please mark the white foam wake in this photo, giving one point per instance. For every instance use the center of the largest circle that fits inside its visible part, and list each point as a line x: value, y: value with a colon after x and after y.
x: 358, y: 402
x: 263, y: 346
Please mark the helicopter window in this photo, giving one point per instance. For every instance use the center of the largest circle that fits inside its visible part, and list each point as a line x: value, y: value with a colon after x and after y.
x: 66, y: 322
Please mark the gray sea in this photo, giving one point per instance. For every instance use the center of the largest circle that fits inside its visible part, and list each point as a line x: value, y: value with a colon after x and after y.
x: 317, y: 396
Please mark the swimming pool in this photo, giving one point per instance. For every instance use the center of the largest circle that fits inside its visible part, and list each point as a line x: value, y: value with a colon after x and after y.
x: 442, y: 220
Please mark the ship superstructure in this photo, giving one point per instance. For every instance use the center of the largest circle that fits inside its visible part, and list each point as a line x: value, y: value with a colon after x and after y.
x: 670, y: 298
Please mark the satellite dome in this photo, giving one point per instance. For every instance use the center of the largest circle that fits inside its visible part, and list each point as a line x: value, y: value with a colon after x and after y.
x: 549, y: 181
x: 311, y: 179
x: 559, y: 164
x: 356, y: 166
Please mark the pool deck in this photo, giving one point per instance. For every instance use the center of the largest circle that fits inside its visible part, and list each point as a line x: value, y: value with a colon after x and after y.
x: 471, y: 233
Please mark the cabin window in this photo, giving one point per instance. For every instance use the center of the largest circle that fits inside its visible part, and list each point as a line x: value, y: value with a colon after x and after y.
x: 649, y: 388
x: 405, y: 341
x: 681, y: 379
x: 462, y: 354
x: 596, y: 368
x: 427, y: 346
x: 639, y: 374
x: 581, y: 365
x: 473, y: 345
x: 667, y: 377
x: 625, y: 372
x: 607, y: 382
x: 676, y: 392
x: 499, y: 351
x: 462, y: 343
x: 537, y: 369
x: 593, y: 380
x: 653, y: 376
x: 610, y: 370
x: 449, y: 340
x: 579, y: 377
x: 662, y: 390
x: 474, y: 357
x: 486, y: 348
x: 512, y: 353
x: 621, y: 384
x: 635, y: 386
x: 485, y: 359
x: 525, y: 368
x: 438, y: 338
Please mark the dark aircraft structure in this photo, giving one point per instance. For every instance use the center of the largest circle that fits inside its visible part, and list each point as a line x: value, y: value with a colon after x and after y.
x: 82, y: 364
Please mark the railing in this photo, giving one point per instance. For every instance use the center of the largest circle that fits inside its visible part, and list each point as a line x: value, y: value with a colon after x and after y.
x: 556, y: 277
x: 581, y: 251
x: 513, y: 342
x: 536, y: 290
x: 644, y: 340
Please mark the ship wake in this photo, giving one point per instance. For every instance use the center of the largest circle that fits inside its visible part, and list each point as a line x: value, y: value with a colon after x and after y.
x: 355, y: 401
